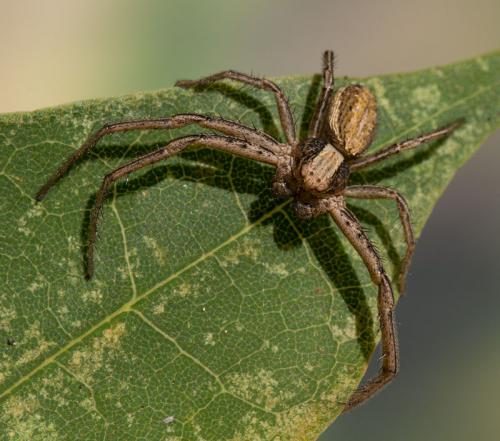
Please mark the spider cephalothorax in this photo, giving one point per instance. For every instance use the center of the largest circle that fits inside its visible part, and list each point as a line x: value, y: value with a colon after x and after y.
x: 318, y: 166
x: 314, y: 172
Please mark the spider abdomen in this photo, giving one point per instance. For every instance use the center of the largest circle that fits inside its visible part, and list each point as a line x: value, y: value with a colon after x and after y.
x: 352, y: 119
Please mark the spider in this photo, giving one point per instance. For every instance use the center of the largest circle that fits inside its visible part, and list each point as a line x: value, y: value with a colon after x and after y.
x: 313, y: 171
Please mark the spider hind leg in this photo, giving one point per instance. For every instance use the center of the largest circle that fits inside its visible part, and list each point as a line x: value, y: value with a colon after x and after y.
x: 353, y: 231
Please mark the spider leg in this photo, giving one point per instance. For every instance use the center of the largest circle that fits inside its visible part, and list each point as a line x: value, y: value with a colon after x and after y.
x: 365, y: 161
x: 324, y: 99
x: 352, y: 229
x: 284, y: 111
x: 227, y: 127
x: 375, y: 192
x: 231, y: 145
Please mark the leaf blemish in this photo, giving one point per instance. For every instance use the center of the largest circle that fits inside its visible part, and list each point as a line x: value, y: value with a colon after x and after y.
x: 158, y: 252
x: 94, y: 296
x: 383, y: 101
x: 278, y: 269
x: 159, y: 309
x: 425, y: 99
x: 85, y: 362
x: 36, y: 284
x: 261, y: 388
x: 19, y: 415
x: 185, y: 289
x: 246, y: 248
x: 209, y: 339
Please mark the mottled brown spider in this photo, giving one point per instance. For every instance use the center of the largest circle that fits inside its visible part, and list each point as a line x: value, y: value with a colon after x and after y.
x: 313, y: 171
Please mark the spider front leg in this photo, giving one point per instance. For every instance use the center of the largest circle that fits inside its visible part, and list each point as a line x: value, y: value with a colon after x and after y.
x: 284, y: 111
x: 231, y: 145
x: 219, y: 124
x: 374, y: 192
x: 350, y: 226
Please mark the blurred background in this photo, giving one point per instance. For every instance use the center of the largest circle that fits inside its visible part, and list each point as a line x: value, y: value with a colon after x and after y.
x: 57, y: 51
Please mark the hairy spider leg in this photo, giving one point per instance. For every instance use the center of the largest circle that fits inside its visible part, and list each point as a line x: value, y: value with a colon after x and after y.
x: 254, y: 136
x: 228, y: 144
x: 365, y: 161
x: 352, y: 229
x: 325, y: 96
x: 376, y: 192
x: 284, y: 111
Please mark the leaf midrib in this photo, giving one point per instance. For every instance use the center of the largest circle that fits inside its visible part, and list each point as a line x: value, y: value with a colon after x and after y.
x: 127, y: 307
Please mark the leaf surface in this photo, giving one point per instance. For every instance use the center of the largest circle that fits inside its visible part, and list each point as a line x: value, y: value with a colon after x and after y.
x: 214, y: 313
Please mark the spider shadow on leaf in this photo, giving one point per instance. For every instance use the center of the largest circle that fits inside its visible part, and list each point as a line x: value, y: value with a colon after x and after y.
x: 310, y: 104
x: 240, y: 96
x: 209, y: 166
x: 212, y: 169
x: 324, y: 241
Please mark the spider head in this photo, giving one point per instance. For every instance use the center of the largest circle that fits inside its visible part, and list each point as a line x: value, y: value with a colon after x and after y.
x: 322, y: 168
x: 351, y: 120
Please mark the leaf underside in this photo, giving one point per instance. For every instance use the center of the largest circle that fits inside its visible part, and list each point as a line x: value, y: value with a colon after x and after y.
x: 211, y: 303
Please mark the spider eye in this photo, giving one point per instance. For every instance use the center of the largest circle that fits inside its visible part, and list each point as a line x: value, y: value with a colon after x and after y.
x: 352, y: 119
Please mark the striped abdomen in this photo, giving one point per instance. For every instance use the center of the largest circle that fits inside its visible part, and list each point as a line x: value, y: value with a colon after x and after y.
x: 352, y: 119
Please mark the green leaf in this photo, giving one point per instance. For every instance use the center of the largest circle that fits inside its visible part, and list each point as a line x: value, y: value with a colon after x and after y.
x: 211, y: 303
